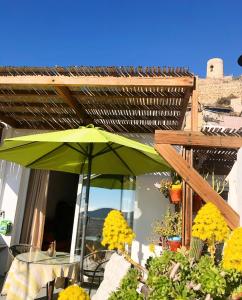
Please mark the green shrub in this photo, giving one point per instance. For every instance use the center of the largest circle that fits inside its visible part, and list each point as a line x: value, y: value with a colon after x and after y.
x: 128, y: 286
x: 210, y: 277
x: 177, y: 276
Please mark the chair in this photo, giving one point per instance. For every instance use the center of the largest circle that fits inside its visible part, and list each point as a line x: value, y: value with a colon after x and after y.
x: 94, y: 266
x: 115, y: 269
x: 20, y: 248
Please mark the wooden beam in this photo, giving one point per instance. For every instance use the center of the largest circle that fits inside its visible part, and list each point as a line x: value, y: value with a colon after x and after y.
x: 194, y: 111
x: 187, y: 202
x: 97, y: 81
x: 65, y: 94
x: 193, y: 138
x: 8, y: 120
x: 184, y: 108
x: 197, y: 183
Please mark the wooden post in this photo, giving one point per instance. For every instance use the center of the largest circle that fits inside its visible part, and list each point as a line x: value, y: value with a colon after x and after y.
x: 187, y: 197
x: 194, y: 111
x: 187, y: 191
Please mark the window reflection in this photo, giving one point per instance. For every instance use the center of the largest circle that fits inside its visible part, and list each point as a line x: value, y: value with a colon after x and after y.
x: 107, y: 192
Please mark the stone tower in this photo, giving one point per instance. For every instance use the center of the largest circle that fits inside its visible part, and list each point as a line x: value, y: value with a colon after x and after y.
x: 215, y: 68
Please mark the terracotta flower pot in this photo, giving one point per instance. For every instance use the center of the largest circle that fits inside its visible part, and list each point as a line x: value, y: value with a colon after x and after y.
x: 175, y: 194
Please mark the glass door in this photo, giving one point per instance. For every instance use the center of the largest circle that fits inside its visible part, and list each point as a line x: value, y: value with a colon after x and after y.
x: 117, y: 192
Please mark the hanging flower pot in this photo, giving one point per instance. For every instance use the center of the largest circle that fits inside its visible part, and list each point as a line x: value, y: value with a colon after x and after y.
x: 175, y: 193
x: 174, y: 243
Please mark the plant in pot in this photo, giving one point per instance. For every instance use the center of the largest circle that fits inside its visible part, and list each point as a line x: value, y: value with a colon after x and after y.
x: 169, y: 230
x: 175, y: 190
x: 171, y: 188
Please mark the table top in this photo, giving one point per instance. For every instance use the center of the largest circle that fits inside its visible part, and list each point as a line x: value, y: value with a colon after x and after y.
x: 41, y: 257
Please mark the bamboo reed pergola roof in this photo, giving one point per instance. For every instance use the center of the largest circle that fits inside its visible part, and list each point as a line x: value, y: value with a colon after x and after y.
x: 121, y: 99
x: 214, y: 148
x: 219, y: 159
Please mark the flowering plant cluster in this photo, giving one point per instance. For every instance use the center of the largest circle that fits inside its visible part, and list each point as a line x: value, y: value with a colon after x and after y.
x: 232, y: 258
x: 170, y: 225
x: 73, y: 292
x: 210, y: 226
x: 116, y: 231
x: 166, y: 184
x: 163, y: 186
x: 178, y: 275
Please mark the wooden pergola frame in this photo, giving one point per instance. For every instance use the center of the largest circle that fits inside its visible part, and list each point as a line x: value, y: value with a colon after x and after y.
x: 95, y: 81
x: 183, y: 165
x: 119, y: 99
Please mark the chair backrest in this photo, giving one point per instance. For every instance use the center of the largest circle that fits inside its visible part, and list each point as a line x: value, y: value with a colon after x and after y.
x: 20, y: 248
x: 94, y: 259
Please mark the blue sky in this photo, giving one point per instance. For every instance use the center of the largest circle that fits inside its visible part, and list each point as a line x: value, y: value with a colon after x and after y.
x: 127, y: 32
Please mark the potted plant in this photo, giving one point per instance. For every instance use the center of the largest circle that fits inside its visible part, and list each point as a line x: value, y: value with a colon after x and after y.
x: 171, y: 188
x: 175, y: 190
x: 169, y: 230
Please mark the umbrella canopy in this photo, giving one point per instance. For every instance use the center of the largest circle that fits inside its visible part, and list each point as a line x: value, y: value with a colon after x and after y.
x: 70, y: 151
x: 112, y: 182
x: 87, y: 150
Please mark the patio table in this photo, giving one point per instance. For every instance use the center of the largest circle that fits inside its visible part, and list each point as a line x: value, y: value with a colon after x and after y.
x: 31, y: 271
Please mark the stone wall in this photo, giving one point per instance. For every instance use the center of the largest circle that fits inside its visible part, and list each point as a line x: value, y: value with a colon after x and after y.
x: 218, y: 92
x: 210, y: 90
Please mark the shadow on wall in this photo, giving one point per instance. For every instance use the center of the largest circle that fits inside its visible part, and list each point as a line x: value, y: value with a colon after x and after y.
x: 150, y: 205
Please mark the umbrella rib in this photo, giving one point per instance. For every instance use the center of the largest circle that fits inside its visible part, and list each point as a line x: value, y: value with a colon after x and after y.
x: 106, y: 150
x: 46, y: 154
x: 83, y: 149
x: 19, y: 146
x: 73, y: 148
x: 120, y: 158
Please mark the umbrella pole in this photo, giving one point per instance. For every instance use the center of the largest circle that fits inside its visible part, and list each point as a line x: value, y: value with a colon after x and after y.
x: 84, y: 223
x: 121, y: 194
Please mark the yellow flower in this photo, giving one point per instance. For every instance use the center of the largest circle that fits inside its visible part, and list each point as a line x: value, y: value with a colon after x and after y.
x: 152, y: 248
x: 210, y: 226
x: 116, y: 232
x: 73, y: 292
x: 232, y: 257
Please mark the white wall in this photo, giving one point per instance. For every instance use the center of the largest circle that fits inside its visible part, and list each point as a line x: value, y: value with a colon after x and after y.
x: 235, y: 186
x: 13, y: 190
x: 150, y: 205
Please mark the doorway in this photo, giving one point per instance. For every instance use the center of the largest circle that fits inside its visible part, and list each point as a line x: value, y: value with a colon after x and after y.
x: 60, y: 208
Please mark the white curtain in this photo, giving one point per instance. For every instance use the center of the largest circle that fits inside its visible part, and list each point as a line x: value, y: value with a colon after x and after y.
x: 35, y: 208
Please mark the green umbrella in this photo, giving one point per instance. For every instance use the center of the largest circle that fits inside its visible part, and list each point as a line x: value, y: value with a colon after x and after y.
x: 113, y: 182
x: 88, y: 150
x: 76, y: 150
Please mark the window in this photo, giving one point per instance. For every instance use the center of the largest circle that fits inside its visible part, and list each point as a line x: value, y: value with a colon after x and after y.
x: 118, y: 193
